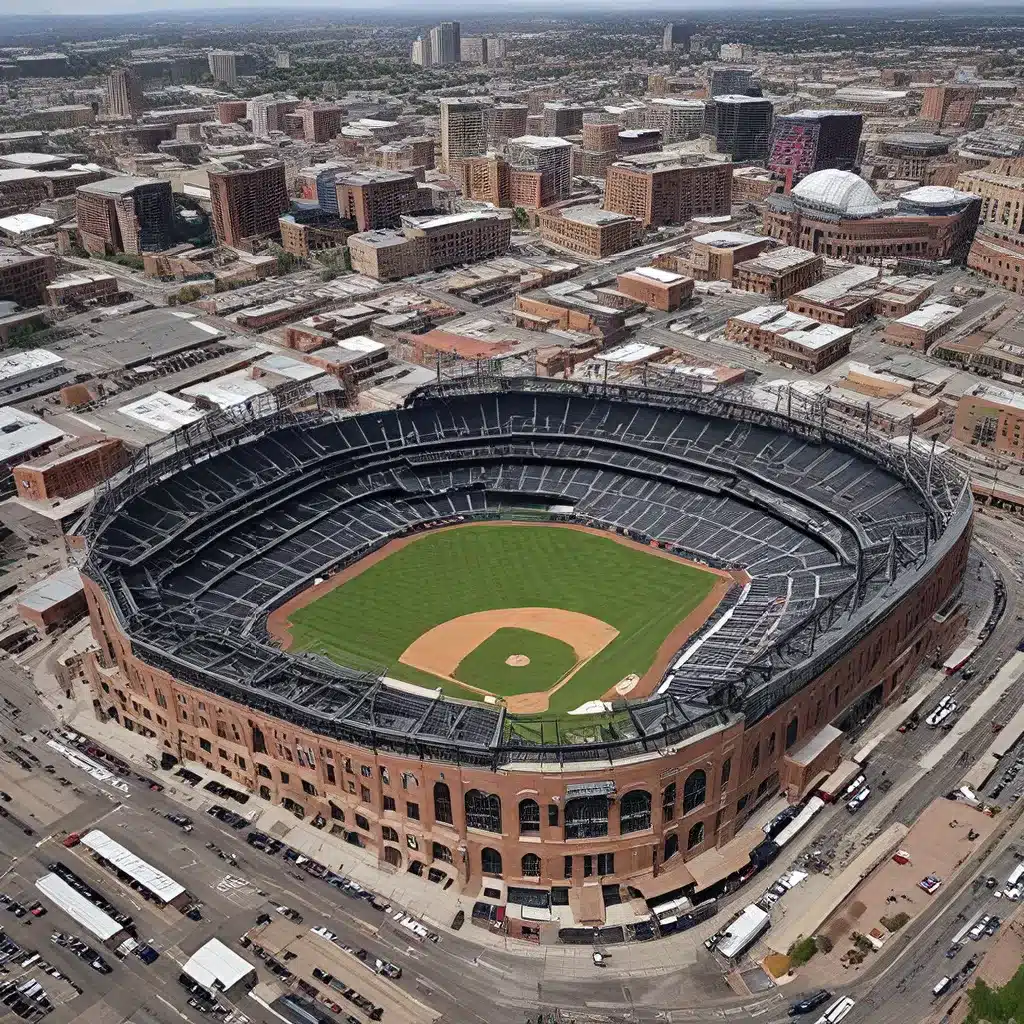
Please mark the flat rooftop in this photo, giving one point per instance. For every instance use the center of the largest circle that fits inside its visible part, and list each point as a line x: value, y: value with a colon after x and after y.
x: 119, y: 186
x: 593, y: 215
x: 729, y: 239
x: 21, y: 433
x: 540, y: 142
x: 931, y: 316
x: 778, y: 261
x: 655, y: 274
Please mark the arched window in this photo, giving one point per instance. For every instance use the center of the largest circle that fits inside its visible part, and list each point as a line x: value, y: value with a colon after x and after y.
x: 389, y: 834
x: 531, y: 866
x: 635, y: 811
x: 671, y: 846
x: 442, y: 853
x: 791, y: 731
x: 529, y: 816
x: 483, y: 810
x: 442, y: 803
x: 696, y: 836
x: 668, y: 802
x: 490, y: 861
x: 694, y: 790
x: 393, y: 856
x: 586, y: 817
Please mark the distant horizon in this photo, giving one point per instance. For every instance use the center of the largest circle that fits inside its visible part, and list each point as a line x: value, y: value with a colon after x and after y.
x: 70, y: 9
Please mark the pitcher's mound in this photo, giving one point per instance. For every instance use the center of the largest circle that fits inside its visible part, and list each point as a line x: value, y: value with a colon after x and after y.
x: 517, y: 660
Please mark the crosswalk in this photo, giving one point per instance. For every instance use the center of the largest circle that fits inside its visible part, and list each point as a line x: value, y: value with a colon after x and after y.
x: 239, y: 891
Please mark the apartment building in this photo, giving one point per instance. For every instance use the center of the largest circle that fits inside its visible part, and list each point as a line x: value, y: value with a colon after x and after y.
x: 416, y: 151
x: 431, y: 243
x: 375, y: 199
x: 230, y: 111
x: 125, y: 214
x: 588, y: 230
x: 247, y: 202
x: 505, y: 121
x: 487, y: 179
x: 671, y: 193
x: 321, y: 121
x: 24, y: 276
x: 223, y: 67
x: 948, y: 106
x: 551, y: 159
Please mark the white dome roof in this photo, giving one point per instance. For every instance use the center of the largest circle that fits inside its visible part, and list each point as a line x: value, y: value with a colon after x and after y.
x: 841, y: 191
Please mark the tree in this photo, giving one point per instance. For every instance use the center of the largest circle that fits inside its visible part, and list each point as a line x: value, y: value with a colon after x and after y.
x: 520, y: 218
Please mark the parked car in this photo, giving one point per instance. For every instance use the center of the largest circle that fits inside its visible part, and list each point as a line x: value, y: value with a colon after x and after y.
x: 809, y: 1003
x: 292, y: 915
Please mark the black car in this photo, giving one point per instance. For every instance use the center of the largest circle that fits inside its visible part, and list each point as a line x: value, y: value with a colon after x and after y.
x: 809, y: 1003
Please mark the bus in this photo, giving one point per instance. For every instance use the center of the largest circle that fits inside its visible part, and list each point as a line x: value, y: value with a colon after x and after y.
x: 837, y: 1011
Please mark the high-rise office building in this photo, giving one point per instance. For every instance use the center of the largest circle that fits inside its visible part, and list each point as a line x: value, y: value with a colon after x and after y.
x: 743, y: 127
x: 724, y: 80
x: 124, y: 93
x: 463, y: 131
x: 375, y: 199
x: 421, y: 52
x: 474, y: 50
x: 445, y: 43
x: 562, y: 119
x: 125, y: 214
x: 247, y: 202
x: 223, y: 67
x: 677, y: 33
x: 813, y: 140
x: 678, y: 120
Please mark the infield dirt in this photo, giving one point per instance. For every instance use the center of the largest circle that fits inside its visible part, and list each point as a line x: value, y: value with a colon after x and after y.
x: 279, y: 621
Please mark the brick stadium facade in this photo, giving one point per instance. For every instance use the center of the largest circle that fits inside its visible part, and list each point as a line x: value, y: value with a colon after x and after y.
x: 625, y: 816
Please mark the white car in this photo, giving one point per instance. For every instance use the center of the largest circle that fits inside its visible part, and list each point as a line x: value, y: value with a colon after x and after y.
x: 325, y: 933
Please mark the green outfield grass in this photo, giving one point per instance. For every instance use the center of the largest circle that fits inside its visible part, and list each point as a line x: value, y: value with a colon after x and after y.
x: 440, y: 576
x: 485, y: 667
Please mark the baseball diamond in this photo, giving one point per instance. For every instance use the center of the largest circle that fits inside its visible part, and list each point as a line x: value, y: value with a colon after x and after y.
x: 429, y: 611
x: 718, y: 583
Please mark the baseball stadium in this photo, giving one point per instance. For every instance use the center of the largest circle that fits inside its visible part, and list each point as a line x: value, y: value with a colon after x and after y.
x: 556, y: 633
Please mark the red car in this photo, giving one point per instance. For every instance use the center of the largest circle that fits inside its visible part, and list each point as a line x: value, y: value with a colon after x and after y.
x: 73, y: 839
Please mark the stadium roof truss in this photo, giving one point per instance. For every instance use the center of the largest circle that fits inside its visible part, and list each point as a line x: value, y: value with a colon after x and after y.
x: 212, y: 527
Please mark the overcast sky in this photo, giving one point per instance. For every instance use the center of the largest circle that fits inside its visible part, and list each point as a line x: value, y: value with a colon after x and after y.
x: 43, y: 7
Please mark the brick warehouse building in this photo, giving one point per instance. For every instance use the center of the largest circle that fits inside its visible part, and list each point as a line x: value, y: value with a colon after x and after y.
x: 836, y: 214
x: 247, y: 202
x: 457, y: 787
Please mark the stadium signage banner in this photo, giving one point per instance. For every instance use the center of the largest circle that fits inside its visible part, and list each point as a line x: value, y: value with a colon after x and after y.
x: 589, y: 789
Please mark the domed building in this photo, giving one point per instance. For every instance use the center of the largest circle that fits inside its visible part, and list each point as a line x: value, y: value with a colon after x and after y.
x: 837, y: 213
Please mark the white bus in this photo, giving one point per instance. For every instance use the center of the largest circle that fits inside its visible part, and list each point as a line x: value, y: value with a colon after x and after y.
x: 942, y: 985
x: 742, y: 932
x: 837, y: 1011
x: 1016, y: 874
